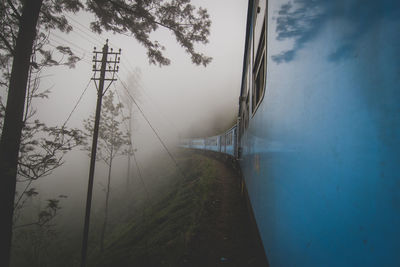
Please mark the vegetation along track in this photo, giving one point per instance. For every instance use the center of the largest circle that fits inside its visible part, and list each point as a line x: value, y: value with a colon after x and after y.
x: 200, y: 221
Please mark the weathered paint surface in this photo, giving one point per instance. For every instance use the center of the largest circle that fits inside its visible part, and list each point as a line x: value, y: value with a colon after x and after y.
x: 321, y: 155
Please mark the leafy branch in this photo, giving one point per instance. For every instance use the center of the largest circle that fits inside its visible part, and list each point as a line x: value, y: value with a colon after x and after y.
x: 46, y: 215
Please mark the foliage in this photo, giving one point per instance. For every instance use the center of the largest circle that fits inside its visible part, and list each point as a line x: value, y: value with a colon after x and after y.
x: 41, y: 151
x: 113, y: 141
x: 136, y: 18
x: 51, y: 18
x: 141, y: 18
x: 42, y: 147
x: 44, y: 216
x: 161, y: 234
x: 36, y: 236
x: 39, y: 156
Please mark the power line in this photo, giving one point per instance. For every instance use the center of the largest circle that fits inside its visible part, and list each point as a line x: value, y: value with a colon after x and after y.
x: 100, y: 91
x: 100, y: 40
x: 145, y: 215
x: 130, y: 66
x: 86, y: 30
x: 84, y: 37
x: 133, y: 152
x: 152, y: 128
x: 143, y: 89
x: 63, y: 40
x: 70, y: 43
x: 77, y: 103
x: 140, y: 176
x: 136, y: 79
x: 119, y: 101
x: 81, y: 58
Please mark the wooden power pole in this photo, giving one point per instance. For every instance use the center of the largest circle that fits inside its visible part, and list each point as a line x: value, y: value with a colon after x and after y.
x: 102, y: 79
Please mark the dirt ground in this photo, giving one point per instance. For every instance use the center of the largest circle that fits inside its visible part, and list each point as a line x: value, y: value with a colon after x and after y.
x: 226, y: 235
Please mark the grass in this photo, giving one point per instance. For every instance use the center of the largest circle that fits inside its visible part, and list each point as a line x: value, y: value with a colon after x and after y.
x: 160, y: 234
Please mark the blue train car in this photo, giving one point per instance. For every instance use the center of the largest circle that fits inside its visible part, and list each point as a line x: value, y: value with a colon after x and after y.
x: 198, y: 143
x: 224, y: 143
x: 212, y: 143
x: 231, y: 141
x: 319, y: 130
x: 318, y: 133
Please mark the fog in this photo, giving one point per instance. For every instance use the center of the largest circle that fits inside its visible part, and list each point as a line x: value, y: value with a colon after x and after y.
x: 179, y: 100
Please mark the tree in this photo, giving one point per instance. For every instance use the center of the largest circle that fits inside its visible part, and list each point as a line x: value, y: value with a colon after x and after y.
x: 35, y: 234
x: 42, y: 148
x: 45, y: 215
x: 19, y: 20
x: 21, y: 16
x: 41, y: 151
x: 113, y: 142
x: 133, y: 82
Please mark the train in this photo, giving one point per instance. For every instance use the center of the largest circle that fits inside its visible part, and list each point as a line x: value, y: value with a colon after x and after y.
x: 223, y: 143
x: 317, y: 136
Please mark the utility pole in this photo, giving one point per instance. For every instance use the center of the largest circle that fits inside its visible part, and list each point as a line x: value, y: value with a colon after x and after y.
x: 113, y: 68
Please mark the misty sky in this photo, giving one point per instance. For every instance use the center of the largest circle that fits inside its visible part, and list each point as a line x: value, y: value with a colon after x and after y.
x: 178, y: 99
x: 175, y: 97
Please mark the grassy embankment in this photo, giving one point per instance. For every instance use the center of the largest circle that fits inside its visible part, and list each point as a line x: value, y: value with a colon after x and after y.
x: 160, y: 234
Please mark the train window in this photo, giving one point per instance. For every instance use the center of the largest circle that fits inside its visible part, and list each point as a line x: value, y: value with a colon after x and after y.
x: 260, y: 8
x: 245, y: 103
x: 229, y: 139
x: 247, y: 112
x: 211, y: 142
x: 259, y: 72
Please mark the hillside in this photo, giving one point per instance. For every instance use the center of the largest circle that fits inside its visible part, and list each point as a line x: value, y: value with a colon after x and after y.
x: 200, y: 221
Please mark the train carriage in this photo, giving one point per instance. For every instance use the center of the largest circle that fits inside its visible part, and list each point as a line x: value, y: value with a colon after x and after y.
x: 318, y: 133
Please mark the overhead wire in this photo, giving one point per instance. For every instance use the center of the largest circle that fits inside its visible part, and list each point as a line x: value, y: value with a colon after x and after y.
x: 84, y: 37
x: 87, y: 86
x: 86, y: 30
x: 133, y: 152
x: 140, y: 175
x: 81, y: 58
x: 145, y: 214
x: 125, y: 87
x: 98, y: 39
x: 152, y: 128
x: 143, y: 89
x: 69, y: 42
x: 55, y: 40
x: 76, y: 104
x: 88, y: 33
x: 127, y: 66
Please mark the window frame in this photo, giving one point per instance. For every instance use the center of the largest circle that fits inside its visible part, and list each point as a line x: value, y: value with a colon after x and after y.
x: 260, y: 62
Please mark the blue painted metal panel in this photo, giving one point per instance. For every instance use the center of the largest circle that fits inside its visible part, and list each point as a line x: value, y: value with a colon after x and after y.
x: 321, y: 155
x: 198, y: 143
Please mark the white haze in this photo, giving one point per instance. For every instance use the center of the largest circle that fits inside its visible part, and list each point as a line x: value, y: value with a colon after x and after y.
x: 179, y: 100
